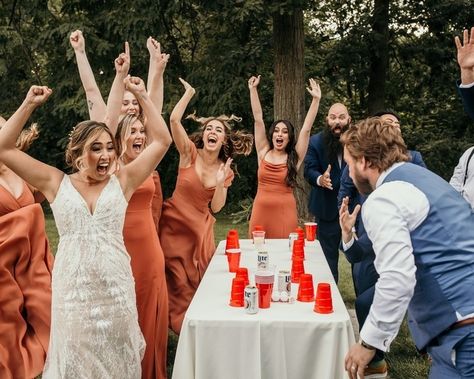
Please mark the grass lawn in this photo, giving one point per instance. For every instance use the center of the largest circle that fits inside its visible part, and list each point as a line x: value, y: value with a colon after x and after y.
x: 403, y: 360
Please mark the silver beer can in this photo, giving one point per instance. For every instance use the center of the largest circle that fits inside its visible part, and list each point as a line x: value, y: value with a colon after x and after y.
x: 262, y: 260
x: 251, y: 300
x: 284, y: 281
x: 291, y: 239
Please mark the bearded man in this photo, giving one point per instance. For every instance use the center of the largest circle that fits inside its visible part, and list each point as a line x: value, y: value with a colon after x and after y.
x: 421, y: 233
x: 323, y: 166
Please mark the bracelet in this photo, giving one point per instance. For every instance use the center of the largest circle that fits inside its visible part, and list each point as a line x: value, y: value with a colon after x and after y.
x: 366, y: 345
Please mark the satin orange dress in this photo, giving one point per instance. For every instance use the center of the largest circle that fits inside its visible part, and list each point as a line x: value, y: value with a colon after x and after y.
x: 25, y: 286
x: 148, y: 267
x: 187, y: 238
x: 274, y: 206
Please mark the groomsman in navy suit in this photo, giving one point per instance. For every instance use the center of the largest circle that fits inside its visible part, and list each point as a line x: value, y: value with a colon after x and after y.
x: 323, y: 166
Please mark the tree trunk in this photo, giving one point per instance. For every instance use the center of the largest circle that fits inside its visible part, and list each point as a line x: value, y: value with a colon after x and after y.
x: 289, y: 92
x: 378, y: 56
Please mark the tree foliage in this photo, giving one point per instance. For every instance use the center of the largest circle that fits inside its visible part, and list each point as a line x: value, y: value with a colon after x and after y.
x: 217, y: 45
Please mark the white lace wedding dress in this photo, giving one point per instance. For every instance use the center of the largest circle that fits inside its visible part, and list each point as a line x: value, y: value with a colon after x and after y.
x: 94, y: 324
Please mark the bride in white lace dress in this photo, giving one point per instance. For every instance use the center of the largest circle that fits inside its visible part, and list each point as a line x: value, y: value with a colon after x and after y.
x: 94, y: 325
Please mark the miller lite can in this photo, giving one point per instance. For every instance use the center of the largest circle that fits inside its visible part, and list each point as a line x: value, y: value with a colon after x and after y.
x: 262, y: 260
x: 291, y: 239
x: 284, y: 281
x: 251, y: 300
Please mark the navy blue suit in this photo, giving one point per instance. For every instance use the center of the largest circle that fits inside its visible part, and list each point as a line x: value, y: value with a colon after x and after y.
x: 361, y: 254
x: 323, y: 201
x: 467, y: 96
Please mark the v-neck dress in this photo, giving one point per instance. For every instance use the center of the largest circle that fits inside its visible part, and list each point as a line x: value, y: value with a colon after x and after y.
x: 94, y: 322
x: 187, y: 238
x: 274, y: 206
x: 25, y: 286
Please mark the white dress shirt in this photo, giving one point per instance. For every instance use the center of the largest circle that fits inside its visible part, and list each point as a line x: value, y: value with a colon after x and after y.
x: 457, y: 180
x: 389, y: 214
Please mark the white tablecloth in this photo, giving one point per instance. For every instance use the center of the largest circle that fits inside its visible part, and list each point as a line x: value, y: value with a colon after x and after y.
x: 287, y: 341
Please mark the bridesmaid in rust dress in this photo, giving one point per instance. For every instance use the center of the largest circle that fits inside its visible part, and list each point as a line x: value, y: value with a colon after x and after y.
x: 25, y: 275
x: 141, y: 225
x: 279, y: 158
x: 186, y: 225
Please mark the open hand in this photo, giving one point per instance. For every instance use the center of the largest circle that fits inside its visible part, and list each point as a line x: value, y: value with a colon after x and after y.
x: 466, y: 50
x: 347, y: 220
x: 325, y: 180
x: 314, y: 89
x: 223, y: 172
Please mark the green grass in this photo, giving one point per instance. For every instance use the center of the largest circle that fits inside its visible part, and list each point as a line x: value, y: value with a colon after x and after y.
x: 403, y: 360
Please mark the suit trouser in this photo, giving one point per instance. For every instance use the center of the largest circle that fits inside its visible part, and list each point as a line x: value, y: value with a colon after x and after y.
x: 329, y: 236
x: 453, y: 354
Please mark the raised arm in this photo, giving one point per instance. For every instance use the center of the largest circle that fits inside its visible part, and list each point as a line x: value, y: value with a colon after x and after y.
x: 155, y: 84
x: 41, y: 176
x: 261, y: 142
x: 95, y: 103
x: 114, y: 102
x: 180, y: 137
x: 305, y: 132
x: 158, y: 141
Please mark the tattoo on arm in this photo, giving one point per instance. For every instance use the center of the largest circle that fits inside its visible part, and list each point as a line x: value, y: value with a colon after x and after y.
x: 90, y: 104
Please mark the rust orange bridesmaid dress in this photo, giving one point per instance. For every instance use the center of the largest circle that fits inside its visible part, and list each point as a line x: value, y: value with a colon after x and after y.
x: 25, y: 286
x: 274, y: 206
x: 148, y: 267
x: 187, y: 238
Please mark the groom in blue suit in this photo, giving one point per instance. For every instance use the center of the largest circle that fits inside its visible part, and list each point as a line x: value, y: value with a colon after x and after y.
x: 323, y: 166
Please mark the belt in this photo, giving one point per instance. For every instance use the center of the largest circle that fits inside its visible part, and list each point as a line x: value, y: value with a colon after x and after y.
x: 460, y: 324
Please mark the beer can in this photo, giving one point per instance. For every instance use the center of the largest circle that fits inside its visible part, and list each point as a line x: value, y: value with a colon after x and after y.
x: 251, y: 300
x: 262, y: 260
x: 284, y: 281
x: 291, y: 238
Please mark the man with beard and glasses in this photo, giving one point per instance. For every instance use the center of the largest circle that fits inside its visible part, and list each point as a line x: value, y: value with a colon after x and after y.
x: 323, y: 165
x: 358, y: 249
x: 421, y: 231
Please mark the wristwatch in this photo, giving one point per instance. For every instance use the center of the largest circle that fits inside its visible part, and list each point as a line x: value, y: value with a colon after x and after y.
x: 366, y: 345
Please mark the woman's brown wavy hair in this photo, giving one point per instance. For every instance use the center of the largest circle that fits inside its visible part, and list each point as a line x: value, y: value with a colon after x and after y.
x: 235, y: 143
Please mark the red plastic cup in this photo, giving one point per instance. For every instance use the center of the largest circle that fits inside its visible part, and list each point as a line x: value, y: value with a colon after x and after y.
x: 323, y: 303
x: 306, y: 288
x: 237, y: 293
x: 298, y: 249
x: 310, y: 229
x: 297, y: 268
x: 243, y: 273
x: 300, y: 232
x: 233, y: 258
x: 264, y: 282
x: 232, y: 241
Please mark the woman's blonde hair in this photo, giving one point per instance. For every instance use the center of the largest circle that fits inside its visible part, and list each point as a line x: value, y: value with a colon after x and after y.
x: 81, y: 138
x: 235, y: 143
x: 26, y: 137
